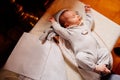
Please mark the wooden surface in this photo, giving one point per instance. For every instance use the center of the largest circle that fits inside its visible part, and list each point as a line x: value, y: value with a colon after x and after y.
x: 109, y: 8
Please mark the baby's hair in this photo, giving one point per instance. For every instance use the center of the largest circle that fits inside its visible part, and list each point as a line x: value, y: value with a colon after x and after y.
x: 62, y: 22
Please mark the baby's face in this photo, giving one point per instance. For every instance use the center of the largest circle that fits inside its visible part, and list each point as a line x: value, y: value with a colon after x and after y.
x: 71, y: 18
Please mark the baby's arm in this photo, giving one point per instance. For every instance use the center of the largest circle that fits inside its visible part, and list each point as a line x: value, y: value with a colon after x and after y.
x: 63, y: 32
x: 89, y: 19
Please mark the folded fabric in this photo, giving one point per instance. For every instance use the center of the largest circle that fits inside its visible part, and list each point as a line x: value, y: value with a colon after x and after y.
x: 35, y: 60
x: 48, y: 34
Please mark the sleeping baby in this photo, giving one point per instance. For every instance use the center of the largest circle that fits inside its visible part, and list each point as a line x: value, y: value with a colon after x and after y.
x: 89, y: 55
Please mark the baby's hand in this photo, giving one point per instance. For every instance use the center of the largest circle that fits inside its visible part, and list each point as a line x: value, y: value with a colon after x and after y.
x: 102, y: 68
x: 87, y: 8
x: 52, y: 19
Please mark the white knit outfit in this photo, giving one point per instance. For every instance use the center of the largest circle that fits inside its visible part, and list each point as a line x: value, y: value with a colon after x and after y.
x: 87, y: 51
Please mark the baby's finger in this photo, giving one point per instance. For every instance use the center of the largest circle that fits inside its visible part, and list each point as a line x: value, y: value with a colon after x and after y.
x: 107, y: 71
x: 50, y: 19
x: 87, y: 6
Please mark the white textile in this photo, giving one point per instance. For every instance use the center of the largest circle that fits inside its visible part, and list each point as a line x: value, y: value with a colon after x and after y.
x: 35, y: 60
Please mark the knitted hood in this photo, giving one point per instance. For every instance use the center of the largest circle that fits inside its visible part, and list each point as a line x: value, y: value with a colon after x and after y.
x: 58, y: 14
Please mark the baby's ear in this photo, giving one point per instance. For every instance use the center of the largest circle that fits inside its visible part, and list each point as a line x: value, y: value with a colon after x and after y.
x: 66, y: 24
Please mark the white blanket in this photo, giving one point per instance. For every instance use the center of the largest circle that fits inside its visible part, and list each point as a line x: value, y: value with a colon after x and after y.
x: 35, y: 60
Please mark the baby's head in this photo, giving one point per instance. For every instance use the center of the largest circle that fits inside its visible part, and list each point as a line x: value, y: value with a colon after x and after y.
x: 68, y: 18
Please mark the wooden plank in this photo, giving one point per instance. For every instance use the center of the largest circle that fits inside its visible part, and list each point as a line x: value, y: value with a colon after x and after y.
x: 109, y: 8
